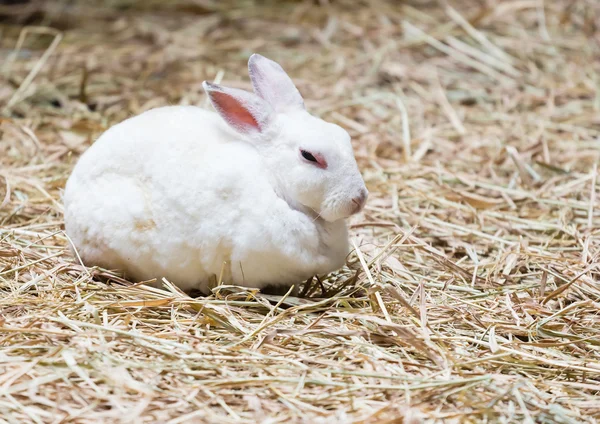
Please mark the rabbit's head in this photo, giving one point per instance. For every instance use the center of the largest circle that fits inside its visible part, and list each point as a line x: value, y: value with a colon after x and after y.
x: 310, y: 161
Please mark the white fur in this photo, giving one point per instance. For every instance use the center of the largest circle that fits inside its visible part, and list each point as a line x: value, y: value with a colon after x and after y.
x: 175, y: 192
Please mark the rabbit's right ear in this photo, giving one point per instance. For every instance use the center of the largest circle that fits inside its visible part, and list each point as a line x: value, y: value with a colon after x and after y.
x: 272, y: 84
x: 243, y: 111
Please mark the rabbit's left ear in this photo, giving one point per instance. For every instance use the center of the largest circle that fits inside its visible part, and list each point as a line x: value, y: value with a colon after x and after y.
x: 272, y: 84
x: 245, y: 112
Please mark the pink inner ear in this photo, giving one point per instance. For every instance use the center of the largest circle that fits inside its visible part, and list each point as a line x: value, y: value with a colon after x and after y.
x: 234, y: 112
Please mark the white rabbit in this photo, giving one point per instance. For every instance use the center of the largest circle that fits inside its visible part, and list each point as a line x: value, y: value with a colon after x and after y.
x: 175, y: 192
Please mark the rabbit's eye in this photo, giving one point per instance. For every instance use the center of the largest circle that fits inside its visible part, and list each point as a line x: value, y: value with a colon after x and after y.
x: 308, y: 156
x: 315, y: 158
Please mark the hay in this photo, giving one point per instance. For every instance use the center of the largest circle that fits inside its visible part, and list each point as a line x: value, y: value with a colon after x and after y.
x: 473, y: 295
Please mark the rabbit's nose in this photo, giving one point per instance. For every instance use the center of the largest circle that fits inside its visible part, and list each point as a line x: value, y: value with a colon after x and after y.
x: 360, y: 200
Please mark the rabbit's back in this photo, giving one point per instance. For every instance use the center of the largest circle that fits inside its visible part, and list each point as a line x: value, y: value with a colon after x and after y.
x: 162, y: 132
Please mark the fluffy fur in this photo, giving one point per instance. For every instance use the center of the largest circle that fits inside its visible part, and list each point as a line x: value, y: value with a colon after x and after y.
x: 188, y: 194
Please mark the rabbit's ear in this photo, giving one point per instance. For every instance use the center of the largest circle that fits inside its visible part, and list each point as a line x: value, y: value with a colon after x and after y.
x: 243, y: 111
x: 272, y: 84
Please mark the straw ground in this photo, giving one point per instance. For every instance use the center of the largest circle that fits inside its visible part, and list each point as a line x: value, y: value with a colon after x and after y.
x: 473, y: 294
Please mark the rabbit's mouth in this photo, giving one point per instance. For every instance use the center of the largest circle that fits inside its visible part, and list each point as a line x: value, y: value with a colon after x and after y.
x: 360, y: 201
x: 358, y: 206
x: 335, y: 208
x: 344, y: 207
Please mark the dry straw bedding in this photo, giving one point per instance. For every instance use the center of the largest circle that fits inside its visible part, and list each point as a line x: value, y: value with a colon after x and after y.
x: 473, y: 295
